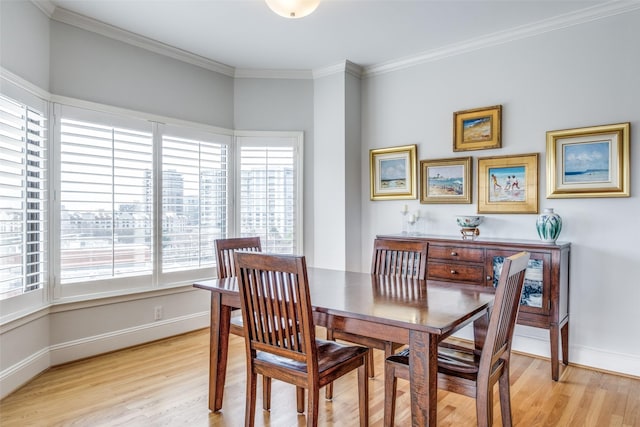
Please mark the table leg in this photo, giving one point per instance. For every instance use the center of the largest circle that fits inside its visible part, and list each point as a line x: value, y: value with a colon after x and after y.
x: 554, y: 338
x: 218, y: 350
x: 423, y: 374
x: 564, y: 333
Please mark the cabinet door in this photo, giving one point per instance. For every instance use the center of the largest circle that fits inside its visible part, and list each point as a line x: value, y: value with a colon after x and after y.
x: 535, y: 296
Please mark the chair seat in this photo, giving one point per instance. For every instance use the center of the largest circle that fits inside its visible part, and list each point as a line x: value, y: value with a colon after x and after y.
x: 456, y: 359
x: 330, y: 354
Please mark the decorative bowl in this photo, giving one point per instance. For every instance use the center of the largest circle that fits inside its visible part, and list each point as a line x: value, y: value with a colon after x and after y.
x: 469, y: 221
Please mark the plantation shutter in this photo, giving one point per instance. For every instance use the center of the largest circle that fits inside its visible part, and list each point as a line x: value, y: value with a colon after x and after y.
x: 106, y: 197
x: 269, y: 197
x: 23, y: 197
x: 194, y: 197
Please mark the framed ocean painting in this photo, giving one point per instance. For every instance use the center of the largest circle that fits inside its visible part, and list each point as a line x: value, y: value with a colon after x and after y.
x: 393, y: 173
x: 588, y: 162
x: 445, y: 180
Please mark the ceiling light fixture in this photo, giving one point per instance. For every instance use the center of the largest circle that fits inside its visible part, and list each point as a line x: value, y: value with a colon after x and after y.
x: 293, y: 8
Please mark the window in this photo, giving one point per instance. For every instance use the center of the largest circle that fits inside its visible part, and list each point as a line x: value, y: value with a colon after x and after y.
x: 194, y: 197
x: 269, y: 189
x: 136, y: 204
x: 23, y: 197
x: 106, y: 197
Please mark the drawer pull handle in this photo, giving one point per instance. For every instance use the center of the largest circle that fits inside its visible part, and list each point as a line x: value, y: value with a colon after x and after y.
x: 488, y: 278
x: 454, y: 253
x: 454, y: 272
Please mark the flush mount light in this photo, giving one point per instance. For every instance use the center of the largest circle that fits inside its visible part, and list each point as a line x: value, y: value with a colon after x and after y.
x: 293, y: 8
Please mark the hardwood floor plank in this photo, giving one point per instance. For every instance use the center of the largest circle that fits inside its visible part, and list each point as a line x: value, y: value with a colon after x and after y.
x: 165, y: 383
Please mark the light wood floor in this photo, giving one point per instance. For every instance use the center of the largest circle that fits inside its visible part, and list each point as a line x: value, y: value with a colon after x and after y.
x: 165, y: 384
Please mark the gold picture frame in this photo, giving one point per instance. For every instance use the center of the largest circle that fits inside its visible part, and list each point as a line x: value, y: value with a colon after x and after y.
x: 393, y: 173
x: 588, y: 162
x: 477, y: 129
x: 445, y: 180
x: 508, y: 184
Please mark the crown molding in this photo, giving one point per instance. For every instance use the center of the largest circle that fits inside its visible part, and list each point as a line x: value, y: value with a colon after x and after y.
x: 345, y: 66
x: 248, y: 73
x: 589, y: 14
x: 562, y: 21
x: 45, y: 6
x: 89, y: 24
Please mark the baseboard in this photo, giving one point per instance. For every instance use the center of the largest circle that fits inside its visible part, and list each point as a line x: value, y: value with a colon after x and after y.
x: 15, y: 376
x: 19, y: 374
x: 535, y: 342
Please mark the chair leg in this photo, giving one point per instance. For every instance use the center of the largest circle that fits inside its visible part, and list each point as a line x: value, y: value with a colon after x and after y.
x: 266, y: 393
x: 313, y: 404
x: 363, y: 391
x: 250, y: 405
x: 484, y: 406
x: 390, y: 386
x: 370, y: 368
x: 505, y: 398
x: 328, y: 390
x: 300, y: 399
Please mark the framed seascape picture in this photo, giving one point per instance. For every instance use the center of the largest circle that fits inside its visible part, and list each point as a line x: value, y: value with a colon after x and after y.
x: 445, y: 180
x: 588, y: 162
x: 393, y: 173
x: 508, y: 184
x: 477, y: 129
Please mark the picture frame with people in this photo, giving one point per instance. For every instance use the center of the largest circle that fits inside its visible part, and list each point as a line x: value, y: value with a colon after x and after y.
x: 508, y: 184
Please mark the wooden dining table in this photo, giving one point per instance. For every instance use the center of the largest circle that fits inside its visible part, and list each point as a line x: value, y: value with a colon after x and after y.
x: 408, y: 311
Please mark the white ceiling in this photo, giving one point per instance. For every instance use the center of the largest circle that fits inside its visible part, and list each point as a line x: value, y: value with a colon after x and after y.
x: 245, y: 34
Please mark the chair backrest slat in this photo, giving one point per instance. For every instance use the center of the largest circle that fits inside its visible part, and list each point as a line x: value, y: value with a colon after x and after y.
x: 503, y: 314
x: 400, y: 258
x: 225, y: 249
x: 276, y: 306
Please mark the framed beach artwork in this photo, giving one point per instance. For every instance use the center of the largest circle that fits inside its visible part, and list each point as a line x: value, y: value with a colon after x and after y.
x: 393, y: 173
x: 588, y: 162
x: 445, y: 180
x: 508, y: 184
x: 477, y: 129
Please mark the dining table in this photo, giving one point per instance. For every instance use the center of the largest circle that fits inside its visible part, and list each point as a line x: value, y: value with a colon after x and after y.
x: 415, y: 312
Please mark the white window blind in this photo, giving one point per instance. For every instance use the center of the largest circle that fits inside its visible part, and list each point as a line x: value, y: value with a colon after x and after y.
x: 194, y: 198
x: 106, y: 199
x: 23, y: 199
x: 269, y: 190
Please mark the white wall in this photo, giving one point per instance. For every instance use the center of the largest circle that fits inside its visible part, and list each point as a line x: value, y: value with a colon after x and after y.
x: 329, y: 161
x: 352, y: 155
x: 92, y: 67
x: 578, y: 76
x: 18, y: 38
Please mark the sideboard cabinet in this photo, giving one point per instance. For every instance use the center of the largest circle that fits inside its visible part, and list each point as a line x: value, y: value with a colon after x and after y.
x: 544, y: 302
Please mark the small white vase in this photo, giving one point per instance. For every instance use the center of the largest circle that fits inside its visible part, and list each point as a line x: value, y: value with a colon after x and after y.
x: 549, y: 225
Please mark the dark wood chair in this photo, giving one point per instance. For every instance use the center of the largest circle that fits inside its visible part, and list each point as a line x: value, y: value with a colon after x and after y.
x: 469, y: 371
x: 225, y: 249
x: 390, y: 258
x: 280, y: 335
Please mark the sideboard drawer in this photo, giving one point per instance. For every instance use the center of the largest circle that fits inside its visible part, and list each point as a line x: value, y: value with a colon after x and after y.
x: 456, y: 253
x: 456, y: 272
